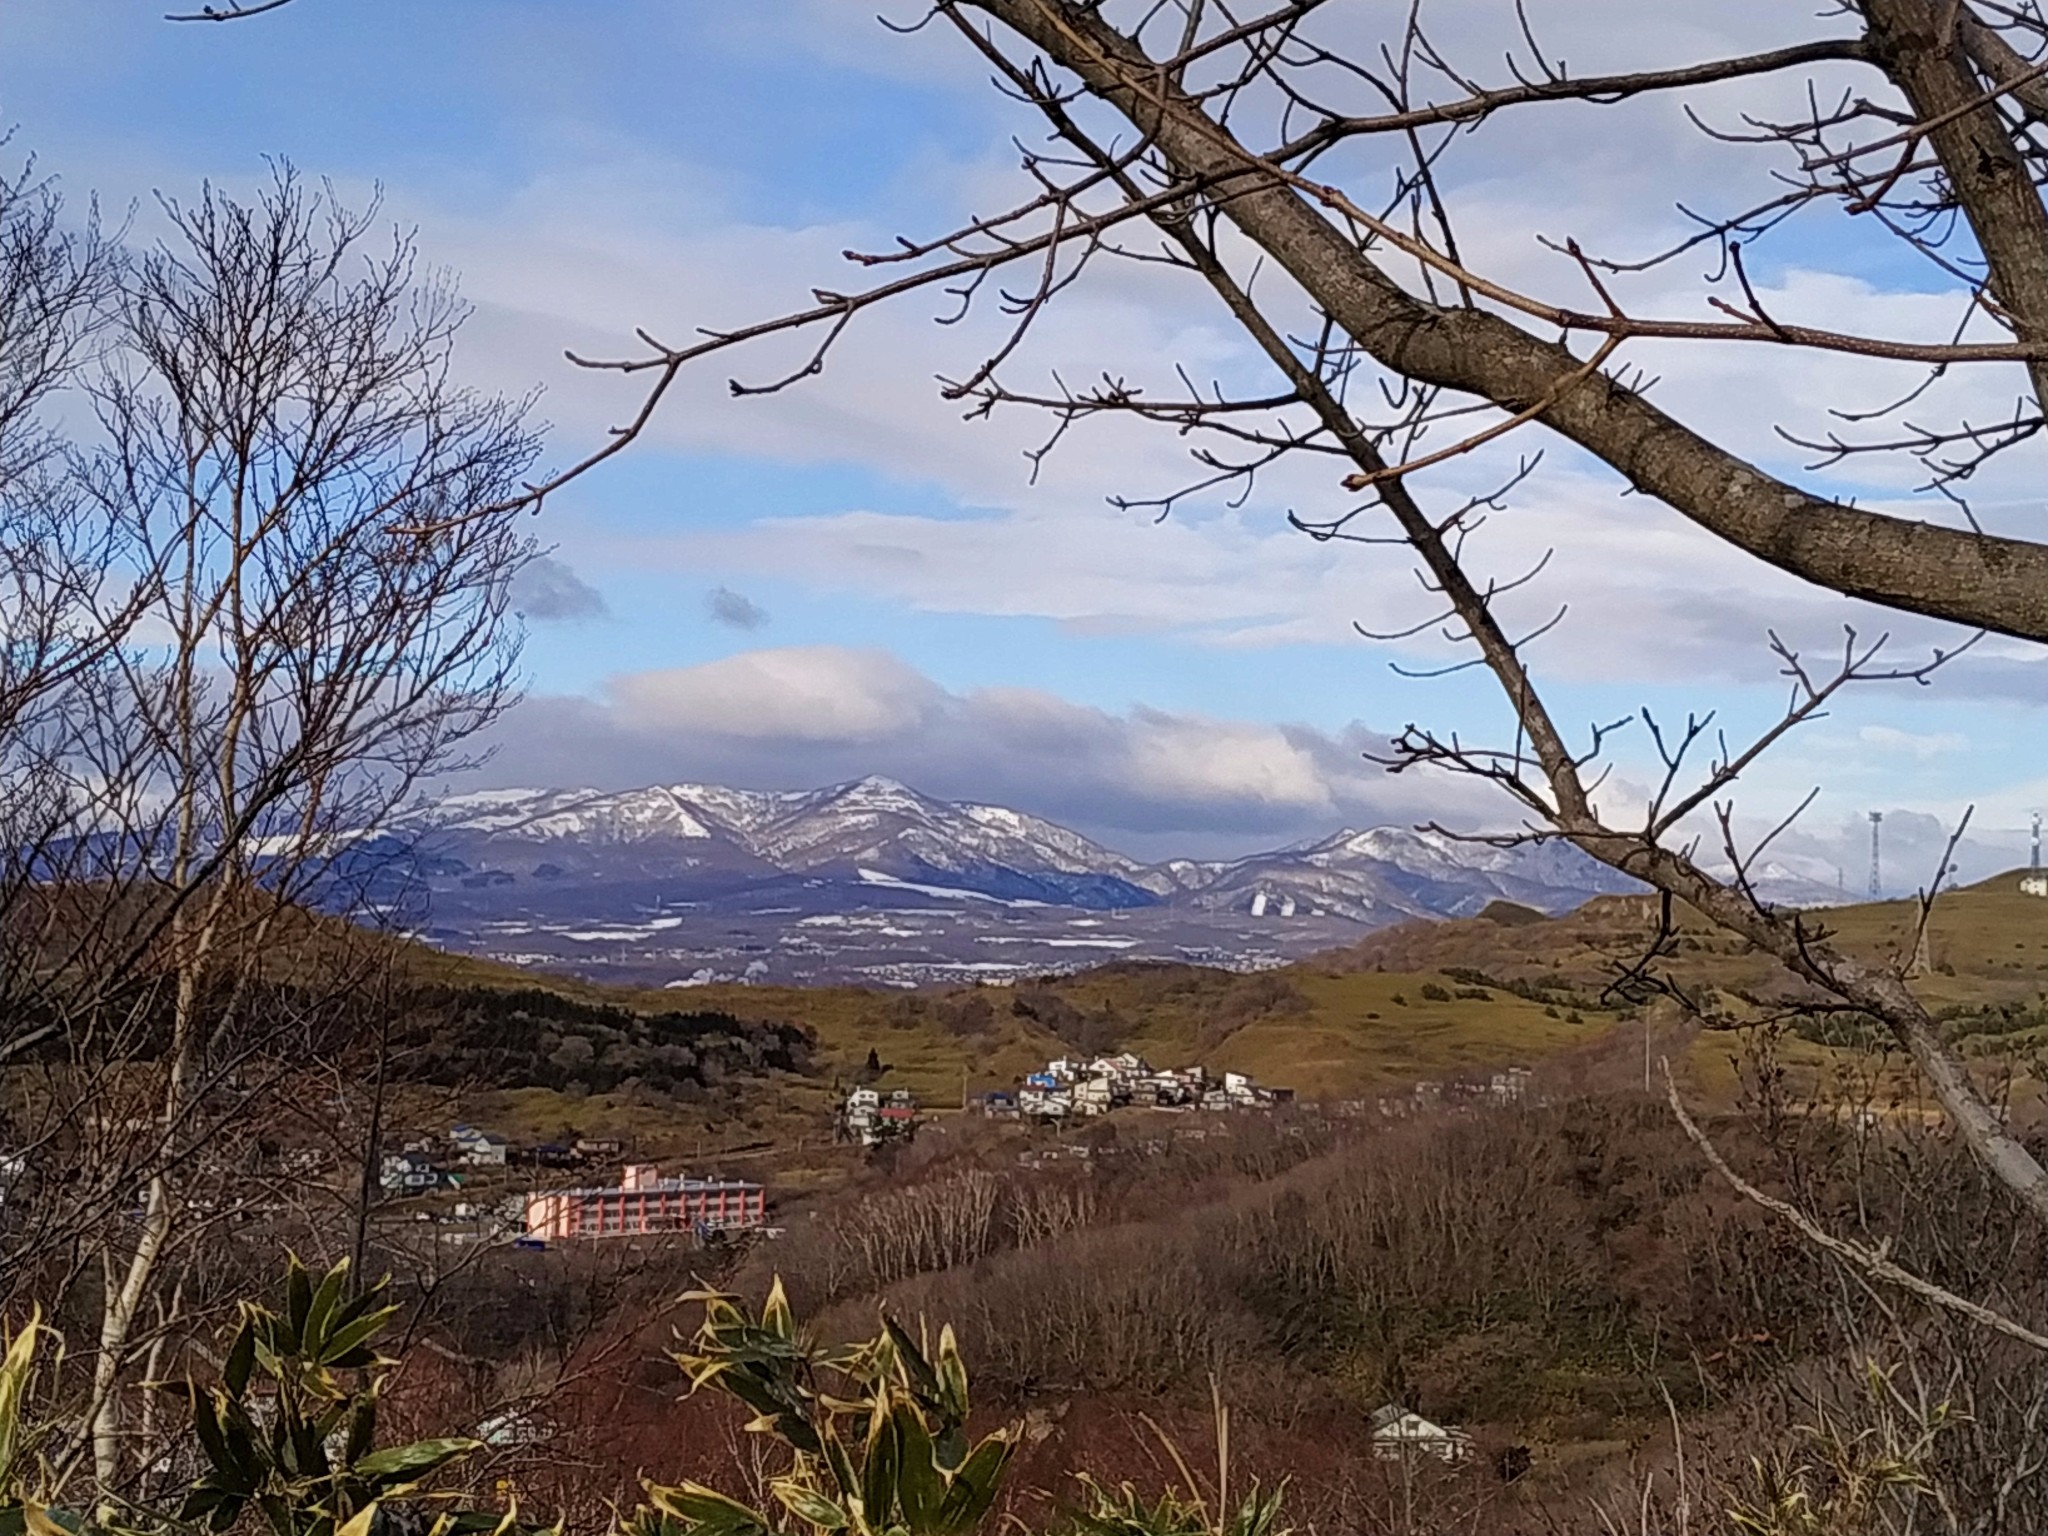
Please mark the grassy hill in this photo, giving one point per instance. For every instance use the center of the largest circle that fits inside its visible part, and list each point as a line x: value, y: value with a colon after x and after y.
x: 1986, y: 971
x: 1988, y: 943
x: 1324, y: 1032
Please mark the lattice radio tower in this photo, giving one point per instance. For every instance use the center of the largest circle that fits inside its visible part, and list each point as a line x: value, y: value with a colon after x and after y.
x: 1876, y: 866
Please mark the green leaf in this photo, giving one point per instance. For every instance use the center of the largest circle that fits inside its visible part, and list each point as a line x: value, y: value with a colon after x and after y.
x: 878, y: 1476
x: 922, y: 1379
x: 919, y: 1487
x: 406, y: 1463
x: 844, y: 1476
x: 298, y: 1303
x: 369, y: 1299
x: 216, y: 1506
x: 808, y: 1504
x: 794, y: 1430
x: 708, y: 1511
x: 362, y: 1428
x: 761, y: 1396
x: 320, y: 1309
x: 279, y: 1514
x: 776, y: 1317
x: 1259, y: 1515
x: 234, y: 1374
x: 206, y: 1424
x: 244, y: 1454
x: 347, y: 1338
x: 975, y: 1486
x: 952, y: 1372
x: 15, y: 1371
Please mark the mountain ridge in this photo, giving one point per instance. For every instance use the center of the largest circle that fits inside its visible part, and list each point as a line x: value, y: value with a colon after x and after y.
x: 873, y: 880
x: 1366, y: 875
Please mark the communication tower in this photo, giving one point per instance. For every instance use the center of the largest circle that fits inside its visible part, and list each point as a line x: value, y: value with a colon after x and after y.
x: 2035, y: 861
x: 1876, y: 866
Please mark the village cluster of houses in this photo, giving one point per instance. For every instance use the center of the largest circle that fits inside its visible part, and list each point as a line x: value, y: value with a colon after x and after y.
x: 1084, y: 1088
x: 428, y: 1163
x: 871, y: 1117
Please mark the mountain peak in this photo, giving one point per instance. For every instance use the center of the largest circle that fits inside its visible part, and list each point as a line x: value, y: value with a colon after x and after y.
x: 879, y: 786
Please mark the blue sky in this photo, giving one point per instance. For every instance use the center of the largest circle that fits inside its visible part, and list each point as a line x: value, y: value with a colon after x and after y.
x: 912, y: 604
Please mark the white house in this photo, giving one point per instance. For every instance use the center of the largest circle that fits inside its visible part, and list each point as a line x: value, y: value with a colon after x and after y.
x: 1037, y: 1103
x: 1096, y: 1096
x: 2034, y: 885
x: 870, y: 1120
x: 1398, y: 1433
x: 1121, y: 1069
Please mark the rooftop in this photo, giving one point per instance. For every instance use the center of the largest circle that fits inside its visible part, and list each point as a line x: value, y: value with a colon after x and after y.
x: 657, y: 1186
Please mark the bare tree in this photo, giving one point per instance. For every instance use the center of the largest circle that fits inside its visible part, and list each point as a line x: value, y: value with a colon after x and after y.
x: 275, y: 654
x: 63, y: 616
x: 53, y: 284
x: 1461, y: 334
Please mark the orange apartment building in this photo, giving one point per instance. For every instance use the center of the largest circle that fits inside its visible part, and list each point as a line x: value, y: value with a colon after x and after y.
x: 645, y: 1202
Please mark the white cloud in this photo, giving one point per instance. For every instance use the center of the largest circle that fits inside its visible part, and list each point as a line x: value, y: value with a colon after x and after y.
x: 800, y: 694
x: 796, y: 717
x: 578, y: 260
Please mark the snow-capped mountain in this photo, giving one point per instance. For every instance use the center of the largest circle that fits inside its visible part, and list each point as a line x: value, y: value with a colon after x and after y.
x: 718, y: 834
x: 880, y: 826
x: 1388, y: 873
x: 874, y: 882
x: 1785, y: 885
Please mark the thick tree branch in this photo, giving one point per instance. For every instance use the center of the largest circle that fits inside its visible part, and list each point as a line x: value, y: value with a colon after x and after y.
x: 1986, y: 582
x: 1570, y: 808
x: 1921, y: 46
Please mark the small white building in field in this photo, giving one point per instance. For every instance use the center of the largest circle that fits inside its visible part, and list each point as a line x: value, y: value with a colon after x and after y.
x: 1399, y: 1433
x: 2034, y: 885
